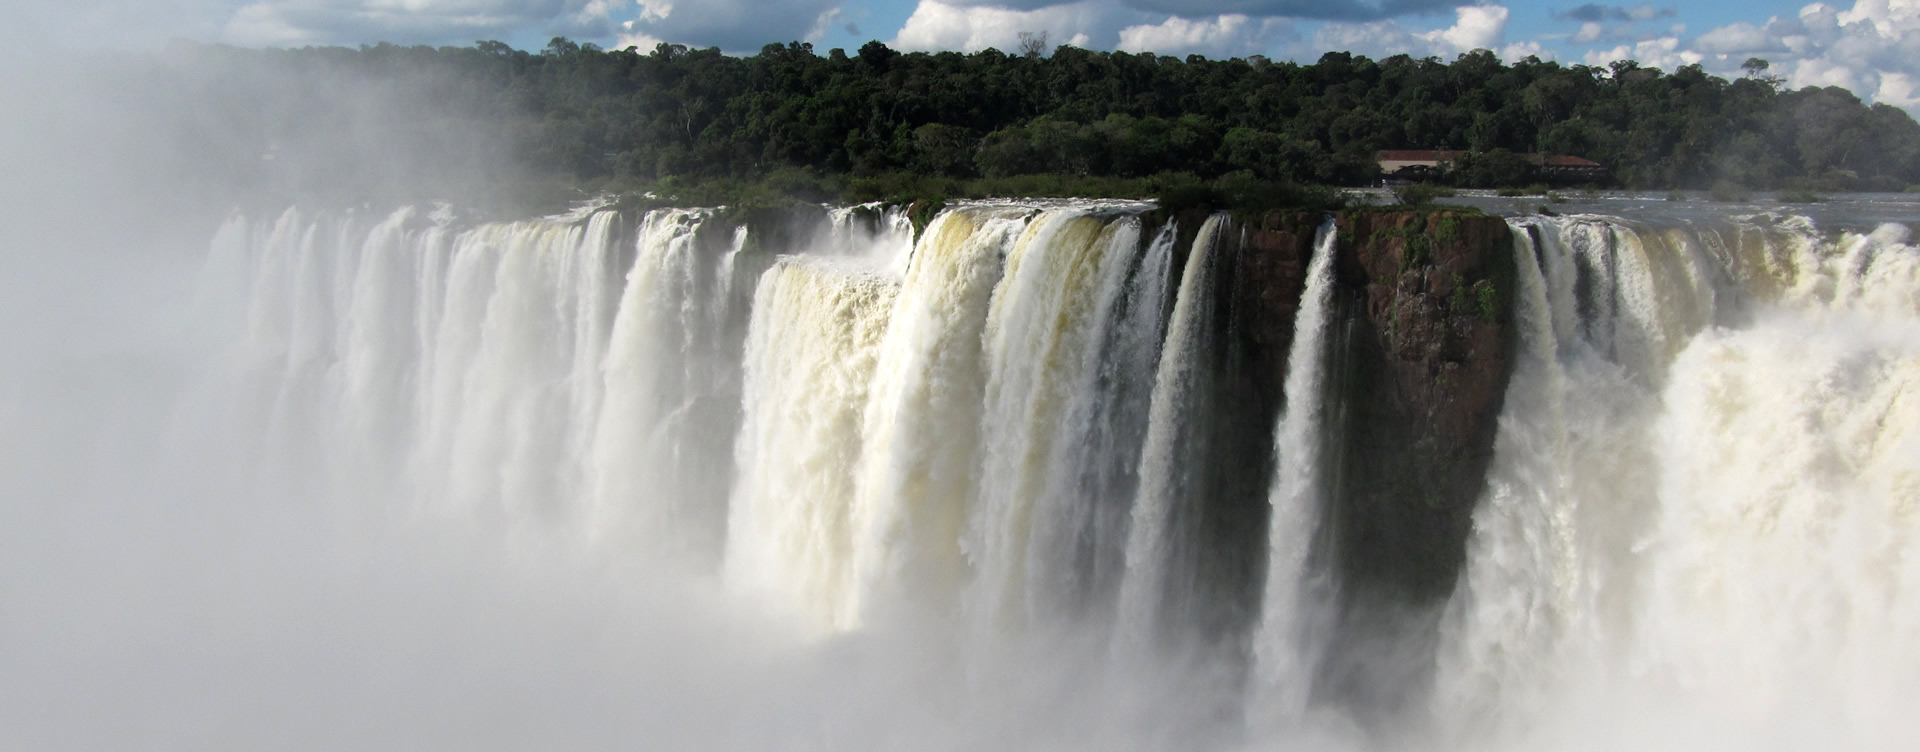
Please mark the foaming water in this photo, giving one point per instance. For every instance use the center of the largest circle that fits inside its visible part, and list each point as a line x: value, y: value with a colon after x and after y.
x: 1701, y: 506
x: 1286, y: 646
x: 596, y: 480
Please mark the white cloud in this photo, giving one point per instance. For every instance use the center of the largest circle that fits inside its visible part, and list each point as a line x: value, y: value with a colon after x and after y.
x: 1232, y: 35
x: 1662, y: 52
x: 1823, y: 72
x: 1523, y: 50
x: 937, y: 25
x: 1898, y: 89
x: 1474, y: 27
x: 264, y: 24
x: 1871, y: 49
x: 654, y: 10
x: 1735, y: 38
x: 295, y: 22
x: 731, y: 25
x: 639, y: 39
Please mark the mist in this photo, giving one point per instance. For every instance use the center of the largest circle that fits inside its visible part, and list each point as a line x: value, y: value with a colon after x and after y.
x: 168, y: 581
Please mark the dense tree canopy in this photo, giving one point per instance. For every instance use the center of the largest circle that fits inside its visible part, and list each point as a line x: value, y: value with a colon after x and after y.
x: 584, y: 116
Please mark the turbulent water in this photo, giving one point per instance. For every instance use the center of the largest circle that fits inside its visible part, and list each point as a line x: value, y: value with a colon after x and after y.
x: 1698, y: 529
x: 1706, y: 494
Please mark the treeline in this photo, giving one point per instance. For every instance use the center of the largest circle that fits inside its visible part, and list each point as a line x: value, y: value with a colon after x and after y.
x: 676, y: 120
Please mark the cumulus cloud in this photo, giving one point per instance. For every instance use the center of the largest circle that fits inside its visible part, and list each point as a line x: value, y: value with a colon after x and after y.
x: 1009, y: 4
x: 940, y: 25
x: 1232, y: 35
x: 1872, y: 49
x: 1341, y: 10
x: 1478, y: 27
x: 1664, y: 53
x: 732, y: 25
x: 1474, y: 27
x: 1248, y: 27
x: 297, y: 22
x: 1738, y: 38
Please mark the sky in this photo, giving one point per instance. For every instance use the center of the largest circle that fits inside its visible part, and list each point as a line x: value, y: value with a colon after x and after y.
x: 1871, y: 47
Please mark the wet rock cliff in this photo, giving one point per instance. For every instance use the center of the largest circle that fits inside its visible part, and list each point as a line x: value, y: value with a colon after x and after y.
x: 1420, y: 350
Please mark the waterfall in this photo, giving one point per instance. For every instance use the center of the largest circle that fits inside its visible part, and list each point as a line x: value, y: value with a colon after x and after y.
x: 811, y: 357
x: 1015, y: 422
x: 921, y: 423
x: 1079, y: 543
x: 994, y: 332
x: 1152, y: 590
x: 1038, y: 344
x: 650, y: 376
x: 1702, y: 492
x: 1285, y: 643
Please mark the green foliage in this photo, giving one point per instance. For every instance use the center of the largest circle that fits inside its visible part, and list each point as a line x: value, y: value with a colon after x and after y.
x: 787, y: 124
x: 1487, y: 300
x: 1799, y: 196
x: 900, y: 185
x: 921, y: 214
x: 1419, y: 194
x: 1419, y: 252
x: 1247, y: 194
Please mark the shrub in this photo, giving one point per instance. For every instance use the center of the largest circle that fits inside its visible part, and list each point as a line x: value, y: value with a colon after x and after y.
x: 1419, y: 194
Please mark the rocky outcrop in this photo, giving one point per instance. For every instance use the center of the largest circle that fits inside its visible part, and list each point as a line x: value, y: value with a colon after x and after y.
x: 1269, y: 276
x: 1419, y: 355
x: 1419, y: 361
x: 1427, y: 352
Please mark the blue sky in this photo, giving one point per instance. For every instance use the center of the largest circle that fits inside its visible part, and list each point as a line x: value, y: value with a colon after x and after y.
x: 1871, y: 47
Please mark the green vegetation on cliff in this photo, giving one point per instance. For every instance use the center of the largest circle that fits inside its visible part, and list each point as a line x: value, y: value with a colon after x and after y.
x: 697, y: 126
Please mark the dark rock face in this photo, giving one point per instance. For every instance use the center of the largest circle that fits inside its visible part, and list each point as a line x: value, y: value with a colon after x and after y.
x: 1418, y: 360
x: 1422, y: 353
x: 1270, y: 274
x: 1428, y: 348
x: 1419, y: 368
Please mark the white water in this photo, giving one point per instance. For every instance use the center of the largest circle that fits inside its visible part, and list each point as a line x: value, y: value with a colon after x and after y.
x: 1079, y: 538
x: 1148, y: 584
x: 649, y: 379
x: 921, y: 423
x: 1697, y: 530
x: 1285, y: 647
x: 811, y: 359
x: 1038, y: 346
x: 1699, y: 524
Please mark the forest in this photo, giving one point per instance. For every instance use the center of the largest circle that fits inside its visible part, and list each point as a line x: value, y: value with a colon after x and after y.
x: 698, y: 126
